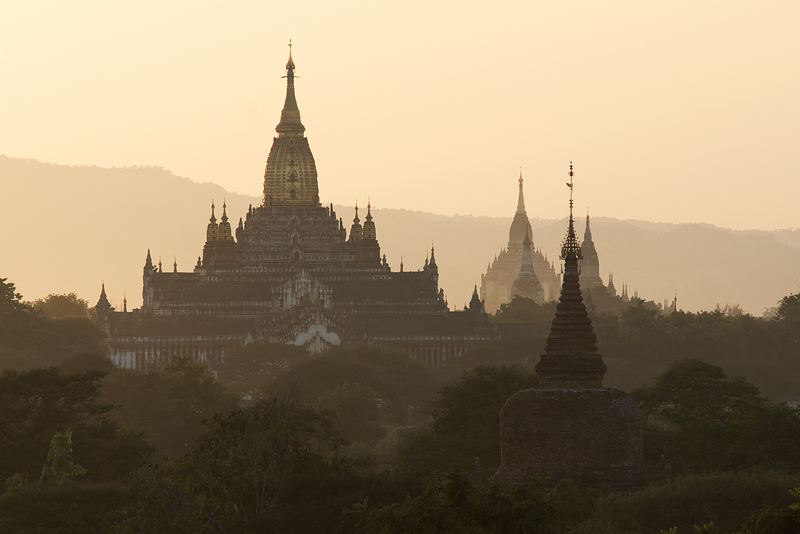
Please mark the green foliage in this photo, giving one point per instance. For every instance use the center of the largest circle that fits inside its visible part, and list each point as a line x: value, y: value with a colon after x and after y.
x: 789, y: 309
x: 28, y: 339
x: 67, y: 508
x: 640, y: 343
x: 399, y: 382
x: 698, y: 419
x: 770, y: 520
x: 248, y: 369
x: 466, y: 422
x: 696, y: 386
x: 37, y: 404
x: 10, y: 301
x: 60, y: 466
x: 356, y: 410
x: 63, y: 306
x: 726, y: 499
x: 271, y: 467
x: 524, y: 310
x: 167, y: 404
x: 454, y: 504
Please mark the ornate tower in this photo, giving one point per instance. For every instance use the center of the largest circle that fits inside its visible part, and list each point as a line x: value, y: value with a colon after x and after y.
x: 498, y: 281
x: 290, y: 178
x: 571, y: 359
x: 571, y: 427
x: 520, y: 226
x: 590, y: 268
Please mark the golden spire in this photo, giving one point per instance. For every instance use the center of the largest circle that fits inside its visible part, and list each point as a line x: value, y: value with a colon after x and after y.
x: 290, y: 124
x: 521, y: 201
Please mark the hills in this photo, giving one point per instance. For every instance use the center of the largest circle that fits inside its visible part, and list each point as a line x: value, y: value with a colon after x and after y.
x: 69, y: 228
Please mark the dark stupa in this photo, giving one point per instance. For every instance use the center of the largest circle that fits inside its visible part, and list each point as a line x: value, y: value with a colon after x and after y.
x: 571, y: 427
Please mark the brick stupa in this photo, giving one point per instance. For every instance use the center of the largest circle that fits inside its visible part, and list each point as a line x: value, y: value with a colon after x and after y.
x: 571, y: 427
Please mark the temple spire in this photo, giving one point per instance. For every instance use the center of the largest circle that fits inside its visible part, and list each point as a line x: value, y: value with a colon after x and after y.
x: 587, y: 235
x: 521, y: 200
x: 290, y: 124
x: 571, y: 360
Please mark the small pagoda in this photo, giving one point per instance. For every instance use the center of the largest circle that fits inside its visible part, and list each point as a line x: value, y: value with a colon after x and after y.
x: 571, y: 427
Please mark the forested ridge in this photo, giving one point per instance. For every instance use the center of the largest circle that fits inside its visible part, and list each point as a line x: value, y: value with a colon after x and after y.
x: 363, y: 439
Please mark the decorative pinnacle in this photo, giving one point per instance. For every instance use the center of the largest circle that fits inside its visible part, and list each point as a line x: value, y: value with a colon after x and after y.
x: 521, y: 200
x: 290, y: 63
x: 570, y: 248
x: 570, y: 185
x: 212, y: 219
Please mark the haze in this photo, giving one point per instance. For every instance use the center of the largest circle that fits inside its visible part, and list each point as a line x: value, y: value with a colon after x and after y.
x: 673, y: 112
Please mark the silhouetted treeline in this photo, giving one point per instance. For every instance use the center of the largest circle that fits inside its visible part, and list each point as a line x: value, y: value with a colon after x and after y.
x: 363, y: 439
x: 638, y: 341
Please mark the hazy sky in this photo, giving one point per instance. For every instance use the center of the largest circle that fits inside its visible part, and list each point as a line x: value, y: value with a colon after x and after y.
x: 672, y: 111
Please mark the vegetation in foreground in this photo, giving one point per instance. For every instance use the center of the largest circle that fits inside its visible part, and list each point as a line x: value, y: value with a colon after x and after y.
x: 362, y: 439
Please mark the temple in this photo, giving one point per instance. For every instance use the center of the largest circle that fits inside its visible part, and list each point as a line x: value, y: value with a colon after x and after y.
x: 539, y: 280
x: 290, y: 272
x: 571, y: 427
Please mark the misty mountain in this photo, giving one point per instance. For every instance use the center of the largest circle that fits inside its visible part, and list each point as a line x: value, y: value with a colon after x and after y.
x: 69, y: 228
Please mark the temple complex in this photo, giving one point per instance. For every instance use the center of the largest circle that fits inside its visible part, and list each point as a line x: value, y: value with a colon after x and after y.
x: 501, y: 275
x: 571, y: 427
x: 290, y: 272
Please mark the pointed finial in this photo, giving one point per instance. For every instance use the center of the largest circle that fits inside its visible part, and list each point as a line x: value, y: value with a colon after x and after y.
x: 521, y: 199
x: 290, y: 63
x: 125, y: 301
x: 175, y: 265
x: 570, y: 247
x: 213, y: 219
x: 570, y: 185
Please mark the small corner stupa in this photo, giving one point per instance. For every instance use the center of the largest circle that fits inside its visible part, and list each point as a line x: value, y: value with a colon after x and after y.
x: 571, y: 427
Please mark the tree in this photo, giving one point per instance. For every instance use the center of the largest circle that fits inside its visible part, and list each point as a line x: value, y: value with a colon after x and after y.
x: 247, y: 370
x: 36, y: 405
x: 698, y: 419
x: 696, y: 386
x: 167, y: 404
x: 29, y: 340
x: 10, y: 301
x: 466, y: 422
x: 59, y: 464
x: 686, y: 503
x: 453, y: 504
x: 402, y: 384
x: 789, y: 309
x: 770, y: 520
x: 241, y: 475
x: 63, y: 306
x: 356, y: 410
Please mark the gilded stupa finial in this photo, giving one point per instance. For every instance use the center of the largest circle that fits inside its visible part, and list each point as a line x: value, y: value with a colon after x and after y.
x: 570, y: 248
